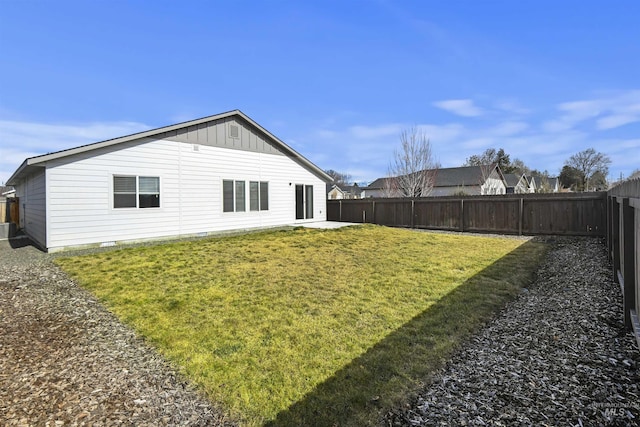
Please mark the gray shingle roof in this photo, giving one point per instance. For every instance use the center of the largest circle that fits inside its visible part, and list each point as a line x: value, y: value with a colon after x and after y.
x: 512, y: 179
x: 447, y: 177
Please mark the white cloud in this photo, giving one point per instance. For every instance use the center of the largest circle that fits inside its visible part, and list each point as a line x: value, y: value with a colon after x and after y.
x: 460, y: 107
x: 20, y: 140
x: 608, y: 112
x: 544, y: 140
x: 616, y: 120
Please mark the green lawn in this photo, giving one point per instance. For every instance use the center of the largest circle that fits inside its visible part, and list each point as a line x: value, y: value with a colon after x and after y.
x: 303, y: 327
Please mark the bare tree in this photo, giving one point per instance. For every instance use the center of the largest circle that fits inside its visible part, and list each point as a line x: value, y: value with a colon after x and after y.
x: 588, y: 162
x: 544, y: 185
x: 488, y: 184
x: 338, y: 177
x: 413, y: 170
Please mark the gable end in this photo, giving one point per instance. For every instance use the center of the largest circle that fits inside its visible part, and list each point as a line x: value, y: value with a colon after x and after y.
x: 228, y: 132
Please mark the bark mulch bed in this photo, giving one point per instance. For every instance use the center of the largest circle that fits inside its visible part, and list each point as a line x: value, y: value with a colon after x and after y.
x: 558, y: 355
x: 66, y: 361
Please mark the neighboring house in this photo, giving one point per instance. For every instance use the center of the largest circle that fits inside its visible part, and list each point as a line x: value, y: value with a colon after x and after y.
x: 546, y: 184
x: 336, y: 191
x: 374, y: 189
x: 7, y: 191
x: 516, y: 183
x: 466, y: 180
x: 471, y: 180
x: 223, y: 172
x: 533, y: 184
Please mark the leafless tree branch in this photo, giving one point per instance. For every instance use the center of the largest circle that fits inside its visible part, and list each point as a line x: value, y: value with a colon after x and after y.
x: 413, y: 170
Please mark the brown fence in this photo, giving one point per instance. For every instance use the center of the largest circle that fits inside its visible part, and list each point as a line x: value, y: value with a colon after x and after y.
x: 573, y: 214
x: 623, y: 242
x: 4, y: 210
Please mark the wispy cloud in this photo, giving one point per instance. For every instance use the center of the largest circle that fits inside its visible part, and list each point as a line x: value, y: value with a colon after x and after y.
x: 460, y: 107
x: 20, y: 139
x: 603, y: 112
x: 544, y: 137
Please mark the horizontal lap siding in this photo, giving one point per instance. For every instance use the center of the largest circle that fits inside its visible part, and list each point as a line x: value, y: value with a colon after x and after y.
x: 33, y: 206
x: 80, y: 195
x: 80, y: 188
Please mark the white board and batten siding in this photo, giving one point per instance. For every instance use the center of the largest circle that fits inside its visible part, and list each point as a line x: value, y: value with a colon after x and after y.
x: 191, y: 166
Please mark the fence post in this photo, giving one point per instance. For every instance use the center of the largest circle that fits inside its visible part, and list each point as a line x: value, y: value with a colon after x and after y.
x: 340, y: 214
x: 461, y: 214
x: 609, y: 227
x: 628, y: 255
x: 615, y: 237
x: 373, y: 213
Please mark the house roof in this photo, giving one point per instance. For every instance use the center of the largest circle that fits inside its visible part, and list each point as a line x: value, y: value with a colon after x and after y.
x: 513, y: 179
x: 540, y: 180
x: 32, y: 163
x: 6, y: 189
x: 331, y: 186
x: 450, y: 177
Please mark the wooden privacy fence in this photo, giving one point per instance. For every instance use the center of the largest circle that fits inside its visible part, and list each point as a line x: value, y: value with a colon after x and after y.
x: 572, y: 214
x: 623, y: 243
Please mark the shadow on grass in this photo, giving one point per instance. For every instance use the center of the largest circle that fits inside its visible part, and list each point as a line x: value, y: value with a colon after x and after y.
x: 393, y: 370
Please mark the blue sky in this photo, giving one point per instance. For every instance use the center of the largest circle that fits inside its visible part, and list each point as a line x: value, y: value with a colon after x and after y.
x: 336, y: 80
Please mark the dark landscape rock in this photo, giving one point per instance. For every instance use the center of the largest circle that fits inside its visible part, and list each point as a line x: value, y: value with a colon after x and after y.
x: 558, y: 355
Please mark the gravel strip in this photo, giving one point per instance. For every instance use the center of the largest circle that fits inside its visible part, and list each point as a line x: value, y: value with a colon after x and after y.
x: 65, y: 360
x: 558, y: 355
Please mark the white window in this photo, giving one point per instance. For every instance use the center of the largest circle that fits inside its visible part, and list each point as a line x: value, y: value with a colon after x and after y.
x: 258, y: 195
x: 234, y: 196
x: 136, y: 191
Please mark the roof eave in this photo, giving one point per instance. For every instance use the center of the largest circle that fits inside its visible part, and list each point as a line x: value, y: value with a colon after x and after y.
x: 40, y: 160
x: 17, y: 175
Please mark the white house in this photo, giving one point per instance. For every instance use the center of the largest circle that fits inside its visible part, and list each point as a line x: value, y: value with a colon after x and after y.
x: 517, y: 183
x: 223, y: 172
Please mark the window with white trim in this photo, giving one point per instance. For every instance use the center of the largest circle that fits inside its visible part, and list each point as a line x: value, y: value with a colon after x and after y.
x: 258, y: 195
x: 227, y: 196
x: 234, y: 196
x: 136, y: 191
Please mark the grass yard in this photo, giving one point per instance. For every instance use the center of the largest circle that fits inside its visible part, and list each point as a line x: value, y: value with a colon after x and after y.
x: 309, y: 327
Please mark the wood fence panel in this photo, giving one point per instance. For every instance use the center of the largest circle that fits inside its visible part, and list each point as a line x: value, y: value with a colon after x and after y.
x: 533, y: 214
x: 438, y: 214
x: 333, y: 211
x: 358, y: 211
x: 573, y: 217
x: 623, y: 241
x: 396, y: 213
x: 492, y: 215
x: 4, y: 214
